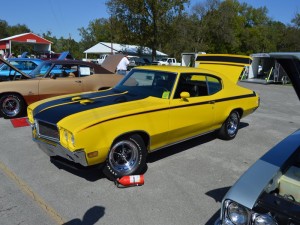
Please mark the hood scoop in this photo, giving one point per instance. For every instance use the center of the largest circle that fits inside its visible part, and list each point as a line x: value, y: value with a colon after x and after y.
x: 82, y: 101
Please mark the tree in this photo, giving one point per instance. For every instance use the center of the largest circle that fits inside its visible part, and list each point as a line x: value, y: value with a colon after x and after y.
x: 3, y: 29
x: 98, y: 30
x: 144, y: 23
x: 296, y: 20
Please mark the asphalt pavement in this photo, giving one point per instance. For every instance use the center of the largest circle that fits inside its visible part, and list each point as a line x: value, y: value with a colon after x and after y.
x: 184, y: 184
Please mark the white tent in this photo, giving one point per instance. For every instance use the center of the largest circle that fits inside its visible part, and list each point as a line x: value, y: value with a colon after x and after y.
x: 112, y: 48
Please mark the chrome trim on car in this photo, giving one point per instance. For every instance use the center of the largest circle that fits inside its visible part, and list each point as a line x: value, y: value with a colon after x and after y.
x: 55, y: 149
x: 183, y: 140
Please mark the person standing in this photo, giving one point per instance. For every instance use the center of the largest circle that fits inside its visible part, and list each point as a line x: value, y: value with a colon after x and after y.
x: 122, y: 66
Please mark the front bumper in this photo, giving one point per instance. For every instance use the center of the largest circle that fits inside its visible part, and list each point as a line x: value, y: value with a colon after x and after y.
x: 55, y: 149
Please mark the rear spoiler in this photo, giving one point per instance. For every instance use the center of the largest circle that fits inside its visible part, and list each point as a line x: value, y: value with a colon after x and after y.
x: 229, y: 65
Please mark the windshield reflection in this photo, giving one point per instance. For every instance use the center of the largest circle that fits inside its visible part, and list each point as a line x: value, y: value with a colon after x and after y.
x: 148, y: 83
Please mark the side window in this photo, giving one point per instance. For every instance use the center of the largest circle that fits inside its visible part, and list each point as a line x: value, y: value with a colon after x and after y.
x: 86, y: 71
x: 214, y: 85
x: 67, y: 70
x: 194, y: 84
x: 198, y: 85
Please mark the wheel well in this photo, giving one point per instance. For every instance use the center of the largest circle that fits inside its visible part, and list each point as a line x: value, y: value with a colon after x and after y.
x: 240, y: 111
x: 143, y: 135
x: 14, y: 93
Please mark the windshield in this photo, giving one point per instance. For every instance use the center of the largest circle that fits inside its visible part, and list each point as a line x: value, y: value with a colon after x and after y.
x: 148, y: 83
x: 41, y: 70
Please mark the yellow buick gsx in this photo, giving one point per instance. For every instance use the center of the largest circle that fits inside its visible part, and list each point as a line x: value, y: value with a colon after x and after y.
x: 151, y: 108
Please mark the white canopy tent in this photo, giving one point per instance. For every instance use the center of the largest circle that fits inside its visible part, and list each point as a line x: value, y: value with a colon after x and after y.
x: 112, y: 48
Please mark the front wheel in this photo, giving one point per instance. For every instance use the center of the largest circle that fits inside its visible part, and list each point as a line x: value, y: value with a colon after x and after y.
x: 230, y: 127
x: 127, y: 156
x: 12, y: 105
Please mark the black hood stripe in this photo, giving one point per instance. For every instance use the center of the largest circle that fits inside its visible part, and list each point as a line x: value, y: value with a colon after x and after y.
x: 68, y: 100
x: 54, y: 113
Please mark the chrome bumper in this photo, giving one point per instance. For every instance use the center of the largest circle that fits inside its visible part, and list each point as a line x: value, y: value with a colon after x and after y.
x: 55, y: 149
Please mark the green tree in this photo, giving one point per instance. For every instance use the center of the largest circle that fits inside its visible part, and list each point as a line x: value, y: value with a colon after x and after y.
x: 61, y: 44
x: 144, y: 23
x: 4, y: 29
x: 98, y: 30
x: 296, y: 20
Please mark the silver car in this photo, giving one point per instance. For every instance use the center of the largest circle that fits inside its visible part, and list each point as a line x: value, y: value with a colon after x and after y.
x: 268, y: 193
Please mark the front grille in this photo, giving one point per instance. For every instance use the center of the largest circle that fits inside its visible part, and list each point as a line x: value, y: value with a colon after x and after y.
x: 47, y: 131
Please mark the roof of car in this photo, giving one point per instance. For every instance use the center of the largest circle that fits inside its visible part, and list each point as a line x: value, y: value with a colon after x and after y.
x: 97, y: 68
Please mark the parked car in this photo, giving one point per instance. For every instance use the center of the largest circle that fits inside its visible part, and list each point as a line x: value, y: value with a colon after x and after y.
x: 151, y: 108
x: 269, y: 191
x: 167, y: 62
x: 51, y: 78
x: 57, y: 56
x: 26, y: 65
x: 135, y: 61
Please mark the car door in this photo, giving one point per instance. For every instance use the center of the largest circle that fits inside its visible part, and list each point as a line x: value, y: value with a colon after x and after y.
x: 61, y: 80
x: 194, y: 114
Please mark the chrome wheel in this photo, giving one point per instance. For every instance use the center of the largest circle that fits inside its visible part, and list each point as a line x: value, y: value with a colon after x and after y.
x: 124, y: 156
x: 232, y: 124
x: 11, y: 105
x: 230, y: 127
x: 127, y: 156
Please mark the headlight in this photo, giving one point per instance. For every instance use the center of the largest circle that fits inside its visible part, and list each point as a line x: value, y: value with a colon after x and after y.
x: 264, y: 219
x: 237, y: 214
x: 68, y: 137
x: 72, y: 139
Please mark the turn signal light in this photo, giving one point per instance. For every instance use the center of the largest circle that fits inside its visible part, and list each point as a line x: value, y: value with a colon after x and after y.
x: 92, y: 154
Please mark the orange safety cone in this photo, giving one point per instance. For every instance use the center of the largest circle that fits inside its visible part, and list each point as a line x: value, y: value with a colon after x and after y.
x: 130, y: 181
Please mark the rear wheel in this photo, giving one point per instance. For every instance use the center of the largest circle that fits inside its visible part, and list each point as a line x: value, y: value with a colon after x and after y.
x: 127, y: 156
x: 12, y: 105
x: 230, y: 127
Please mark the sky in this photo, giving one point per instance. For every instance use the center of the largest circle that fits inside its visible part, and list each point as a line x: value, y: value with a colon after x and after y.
x: 63, y: 17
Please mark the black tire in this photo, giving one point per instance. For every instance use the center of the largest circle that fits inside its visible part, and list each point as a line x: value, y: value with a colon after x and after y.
x: 127, y: 156
x: 230, y: 127
x: 12, y: 106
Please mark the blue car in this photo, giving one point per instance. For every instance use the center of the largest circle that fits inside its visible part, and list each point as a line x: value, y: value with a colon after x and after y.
x: 26, y: 65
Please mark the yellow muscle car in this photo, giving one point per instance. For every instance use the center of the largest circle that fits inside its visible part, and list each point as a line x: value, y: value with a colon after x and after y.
x: 151, y: 108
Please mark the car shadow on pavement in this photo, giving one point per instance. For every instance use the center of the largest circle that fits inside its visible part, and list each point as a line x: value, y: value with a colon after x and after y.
x: 183, y: 146
x: 91, y: 173
x: 91, y: 217
x: 217, y: 195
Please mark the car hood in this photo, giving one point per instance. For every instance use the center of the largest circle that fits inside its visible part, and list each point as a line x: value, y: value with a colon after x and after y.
x: 290, y: 61
x: 253, y: 182
x: 111, y: 62
x: 95, y: 107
